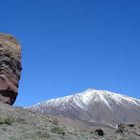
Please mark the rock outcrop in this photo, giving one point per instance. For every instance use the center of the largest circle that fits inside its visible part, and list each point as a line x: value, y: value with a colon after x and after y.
x: 10, y: 68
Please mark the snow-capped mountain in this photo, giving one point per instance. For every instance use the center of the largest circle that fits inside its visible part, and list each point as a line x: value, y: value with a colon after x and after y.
x: 93, y: 107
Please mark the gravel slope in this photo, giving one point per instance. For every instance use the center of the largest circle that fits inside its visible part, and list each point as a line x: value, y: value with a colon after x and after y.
x: 17, y: 123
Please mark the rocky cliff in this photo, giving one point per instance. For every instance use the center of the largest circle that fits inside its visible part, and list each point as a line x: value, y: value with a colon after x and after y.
x: 10, y: 68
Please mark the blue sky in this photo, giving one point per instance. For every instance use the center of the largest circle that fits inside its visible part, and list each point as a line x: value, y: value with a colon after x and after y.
x: 71, y: 45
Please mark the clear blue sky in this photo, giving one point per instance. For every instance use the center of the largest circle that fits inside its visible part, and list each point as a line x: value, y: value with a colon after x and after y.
x: 71, y: 45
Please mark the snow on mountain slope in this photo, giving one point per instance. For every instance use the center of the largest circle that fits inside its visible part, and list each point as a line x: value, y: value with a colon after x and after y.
x: 84, y: 99
x: 93, y: 106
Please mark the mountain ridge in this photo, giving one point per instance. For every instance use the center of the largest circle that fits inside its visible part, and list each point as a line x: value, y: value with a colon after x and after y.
x: 93, y: 107
x: 89, y: 89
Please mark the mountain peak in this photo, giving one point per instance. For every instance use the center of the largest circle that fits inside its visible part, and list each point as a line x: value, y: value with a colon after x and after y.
x: 100, y: 106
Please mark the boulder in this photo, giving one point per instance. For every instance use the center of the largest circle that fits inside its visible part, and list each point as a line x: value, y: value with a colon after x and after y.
x: 10, y: 68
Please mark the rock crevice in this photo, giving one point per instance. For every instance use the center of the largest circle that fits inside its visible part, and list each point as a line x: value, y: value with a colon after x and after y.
x: 10, y: 68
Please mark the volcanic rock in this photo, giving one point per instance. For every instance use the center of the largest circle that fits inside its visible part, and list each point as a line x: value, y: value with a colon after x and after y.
x: 10, y: 68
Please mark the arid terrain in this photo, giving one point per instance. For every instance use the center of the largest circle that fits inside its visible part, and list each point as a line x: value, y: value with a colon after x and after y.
x: 17, y: 123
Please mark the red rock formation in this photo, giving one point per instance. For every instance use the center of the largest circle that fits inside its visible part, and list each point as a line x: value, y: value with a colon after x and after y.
x: 10, y: 68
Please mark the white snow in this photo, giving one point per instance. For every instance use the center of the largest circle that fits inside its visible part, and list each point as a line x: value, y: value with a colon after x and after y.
x: 90, y: 96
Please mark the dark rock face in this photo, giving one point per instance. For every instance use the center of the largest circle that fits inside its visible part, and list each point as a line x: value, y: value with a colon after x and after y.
x: 99, y: 132
x: 10, y: 68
